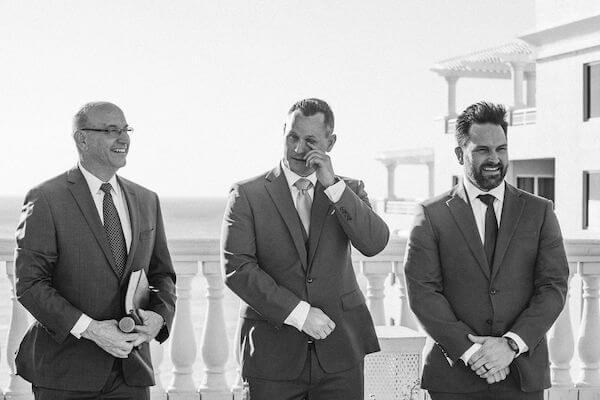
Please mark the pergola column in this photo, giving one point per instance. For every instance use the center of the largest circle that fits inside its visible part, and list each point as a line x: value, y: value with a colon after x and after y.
x: 451, y: 80
x: 391, y: 179
x: 530, y: 88
x: 517, y: 69
x: 430, y: 178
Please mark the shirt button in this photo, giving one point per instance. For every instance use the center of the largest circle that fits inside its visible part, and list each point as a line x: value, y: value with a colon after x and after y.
x: 309, y: 280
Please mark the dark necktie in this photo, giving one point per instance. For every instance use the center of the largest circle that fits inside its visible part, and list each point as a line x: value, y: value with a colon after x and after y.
x: 114, y: 231
x: 491, y: 227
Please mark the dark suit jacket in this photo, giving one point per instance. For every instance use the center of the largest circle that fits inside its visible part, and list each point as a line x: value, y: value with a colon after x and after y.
x: 268, y: 265
x: 453, y: 293
x: 64, y: 266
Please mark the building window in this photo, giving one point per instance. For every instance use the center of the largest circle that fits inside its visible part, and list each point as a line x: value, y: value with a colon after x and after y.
x: 591, y: 91
x: 591, y: 200
x: 539, y: 185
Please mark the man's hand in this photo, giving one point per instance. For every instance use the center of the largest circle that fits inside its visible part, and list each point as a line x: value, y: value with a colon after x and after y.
x: 321, y: 162
x: 152, y: 324
x: 494, y: 355
x: 498, y: 376
x: 108, y: 336
x: 317, y: 324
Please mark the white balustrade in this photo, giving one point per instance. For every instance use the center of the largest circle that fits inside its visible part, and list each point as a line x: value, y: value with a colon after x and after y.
x: 405, y: 316
x: 588, y: 345
x: 561, y: 345
x: 18, y: 388
x: 157, y: 392
x: 183, y: 345
x: 215, y: 350
x: 376, y: 272
x: 584, y: 368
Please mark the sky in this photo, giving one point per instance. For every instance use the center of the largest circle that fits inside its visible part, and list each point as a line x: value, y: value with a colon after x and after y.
x: 207, y: 84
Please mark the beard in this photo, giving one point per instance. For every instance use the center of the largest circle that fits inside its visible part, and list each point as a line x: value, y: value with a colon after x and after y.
x: 486, y: 181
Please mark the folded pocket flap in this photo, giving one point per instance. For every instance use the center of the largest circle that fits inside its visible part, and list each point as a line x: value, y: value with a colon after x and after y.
x: 352, y: 299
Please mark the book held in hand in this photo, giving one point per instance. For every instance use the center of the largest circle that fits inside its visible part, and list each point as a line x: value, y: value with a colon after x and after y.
x: 137, y: 297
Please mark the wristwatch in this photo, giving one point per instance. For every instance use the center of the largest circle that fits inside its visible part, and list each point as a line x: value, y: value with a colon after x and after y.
x: 512, y: 344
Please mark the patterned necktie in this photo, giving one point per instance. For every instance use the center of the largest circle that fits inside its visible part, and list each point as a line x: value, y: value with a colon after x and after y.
x: 114, y: 231
x: 304, y: 202
x: 491, y: 227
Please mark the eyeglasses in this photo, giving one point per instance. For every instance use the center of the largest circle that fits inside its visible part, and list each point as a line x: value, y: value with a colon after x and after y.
x: 112, y: 131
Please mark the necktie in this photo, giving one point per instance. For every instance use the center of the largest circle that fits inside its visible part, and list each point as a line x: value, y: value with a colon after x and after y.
x: 491, y: 227
x: 114, y: 231
x: 304, y: 202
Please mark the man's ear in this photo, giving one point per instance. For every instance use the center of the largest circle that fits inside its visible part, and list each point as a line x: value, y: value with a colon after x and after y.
x: 459, y: 155
x: 80, y: 140
x: 330, y: 142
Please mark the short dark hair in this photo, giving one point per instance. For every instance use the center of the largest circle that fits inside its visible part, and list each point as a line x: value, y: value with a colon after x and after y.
x: 482, y: 112
x: 312, y: 106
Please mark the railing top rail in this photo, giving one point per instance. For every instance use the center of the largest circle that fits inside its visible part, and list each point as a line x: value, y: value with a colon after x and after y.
x: 578, y: 248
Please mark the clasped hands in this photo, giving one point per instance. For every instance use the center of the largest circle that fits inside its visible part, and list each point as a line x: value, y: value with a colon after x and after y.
x: 317, y: 324
x: 107, y: 335
x: 491, y: 362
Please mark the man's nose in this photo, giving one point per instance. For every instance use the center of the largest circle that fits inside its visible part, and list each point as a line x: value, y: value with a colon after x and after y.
x: 493, y: 157
x: 301, y: 147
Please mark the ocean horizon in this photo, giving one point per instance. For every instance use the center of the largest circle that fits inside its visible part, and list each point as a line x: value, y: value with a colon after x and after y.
x: 184, y: 217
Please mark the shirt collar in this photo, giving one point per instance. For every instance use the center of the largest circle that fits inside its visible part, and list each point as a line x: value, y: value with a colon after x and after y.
x: 292, y: 177
x: 473, y: 191
x: 94, y: 183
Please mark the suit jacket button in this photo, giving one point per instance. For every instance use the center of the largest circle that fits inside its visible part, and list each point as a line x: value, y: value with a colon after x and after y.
x: 493, y: 292
x: 309, y: 280
x: 489, y: 321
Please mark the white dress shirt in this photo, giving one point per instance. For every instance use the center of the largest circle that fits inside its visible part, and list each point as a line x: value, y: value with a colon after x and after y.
x: 334, y: 192
x: 121, y: 205
x: 479, y: 208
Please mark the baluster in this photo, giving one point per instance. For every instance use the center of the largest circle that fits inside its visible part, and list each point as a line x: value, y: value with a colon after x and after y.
x: 588, y: 347
x: 238, y: 386
x: 183, y: 345
x: 405, y: 316
x: 215, y: 350
x: 157, y: 392
x: 18, y: 388
x: 561, y: 343
x: 376, y: 272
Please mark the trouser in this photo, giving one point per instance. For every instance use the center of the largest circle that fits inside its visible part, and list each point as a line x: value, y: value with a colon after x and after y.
x: 115, y: 388
x: 312, y: 384
x: 509, y: 389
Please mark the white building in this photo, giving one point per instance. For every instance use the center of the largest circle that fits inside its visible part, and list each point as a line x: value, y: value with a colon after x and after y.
x: 554, y: 132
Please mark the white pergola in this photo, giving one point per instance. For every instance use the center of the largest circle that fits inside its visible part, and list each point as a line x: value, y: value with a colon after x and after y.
x: 514, y: 60
x: 391, y: 159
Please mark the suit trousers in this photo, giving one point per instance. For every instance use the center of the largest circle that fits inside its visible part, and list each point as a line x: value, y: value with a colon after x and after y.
x: 114, y: 389
x: 312, y: 384
x: 508, y: 389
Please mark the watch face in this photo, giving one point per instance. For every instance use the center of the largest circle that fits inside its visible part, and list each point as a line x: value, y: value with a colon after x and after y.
x: 512, y: 345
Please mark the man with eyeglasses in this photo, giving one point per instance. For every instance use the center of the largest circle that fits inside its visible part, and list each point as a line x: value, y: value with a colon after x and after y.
x: 80, y: 237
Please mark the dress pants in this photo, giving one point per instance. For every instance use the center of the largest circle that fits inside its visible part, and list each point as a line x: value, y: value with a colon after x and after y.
x: 508, y: 389
x: 312, y: 384
x: 114, y: 389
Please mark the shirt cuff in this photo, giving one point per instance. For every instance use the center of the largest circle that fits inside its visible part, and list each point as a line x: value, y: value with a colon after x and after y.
x: 80, y: 326
x: 469, y: 353
x: 298, y: 315
x: 522, y: 346
x: 335, y: 191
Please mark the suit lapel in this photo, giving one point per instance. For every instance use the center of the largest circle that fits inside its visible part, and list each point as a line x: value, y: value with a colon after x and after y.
x: 278, y: 189
x: 463, y: 216
x: 318, y: 213
x: 134, y: 218
x: 81, y: 192
x: 512, y: 209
